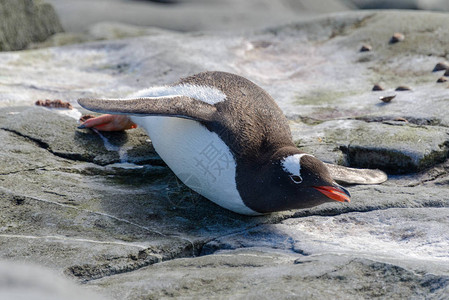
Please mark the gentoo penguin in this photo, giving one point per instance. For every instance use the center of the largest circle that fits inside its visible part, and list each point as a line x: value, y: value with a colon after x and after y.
x: 227, y: 139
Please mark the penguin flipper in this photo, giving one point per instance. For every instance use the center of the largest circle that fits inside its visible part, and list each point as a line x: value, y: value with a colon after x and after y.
x: 347, y: 175
x: 171, y: 106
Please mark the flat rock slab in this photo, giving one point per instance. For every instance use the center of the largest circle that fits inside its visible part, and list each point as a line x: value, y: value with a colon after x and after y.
x: 310, y: 257
x: 75, y: 144
x: 369, y: 234
x: 105, y: 210
x: 261, y: 274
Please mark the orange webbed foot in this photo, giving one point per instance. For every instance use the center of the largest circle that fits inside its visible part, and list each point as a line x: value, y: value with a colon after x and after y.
x: 109, y: 123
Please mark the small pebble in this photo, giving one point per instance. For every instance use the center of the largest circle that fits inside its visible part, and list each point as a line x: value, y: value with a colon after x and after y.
x: 397, y: 37
x: 442, y: 79
x: 403, y: 88
x: 399, y: 119
x: 377, y: 87
x: 366, y: 48
x: 54, y: 104
x: 441, y: 66
x: 386, y: 99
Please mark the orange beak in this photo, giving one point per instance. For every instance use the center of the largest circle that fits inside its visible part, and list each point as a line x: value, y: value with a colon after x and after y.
x: 335, y: 193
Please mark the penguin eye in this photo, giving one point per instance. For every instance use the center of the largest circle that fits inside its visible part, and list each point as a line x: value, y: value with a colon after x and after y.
x: 296, y: 178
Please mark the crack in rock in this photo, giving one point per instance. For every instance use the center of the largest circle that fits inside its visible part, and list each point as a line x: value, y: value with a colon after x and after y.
x: 395, y: 120
x: 130, y: 263
x: 24, y: 170
x: 64, y: 238
x: 58, y: 135
x: 118, y: 265
x: 46, y: 146
x: 26, y: 198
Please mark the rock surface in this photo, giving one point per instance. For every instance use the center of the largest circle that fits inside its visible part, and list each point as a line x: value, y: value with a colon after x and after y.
x: 190, y: 15
x: 24, y: 22
x: 105, y: 211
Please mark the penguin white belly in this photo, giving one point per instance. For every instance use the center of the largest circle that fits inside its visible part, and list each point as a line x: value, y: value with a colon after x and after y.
x: 199, y: 158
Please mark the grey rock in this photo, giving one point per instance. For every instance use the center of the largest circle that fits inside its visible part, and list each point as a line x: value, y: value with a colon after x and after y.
x: 437, y: 5
x: 253, y: 273
x: 106, y: 211
x: 396, y: 147
x: 385, y: 4
x: 24, y: 22
x: 190, y: 15
x: 363, y: 234
x: 99, y: 31
x: 79, y: 145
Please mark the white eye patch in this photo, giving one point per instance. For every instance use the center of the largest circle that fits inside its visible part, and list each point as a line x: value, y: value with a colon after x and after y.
x: 292, y: 165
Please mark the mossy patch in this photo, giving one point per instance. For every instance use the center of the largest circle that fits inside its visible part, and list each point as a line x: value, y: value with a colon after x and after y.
x: 321, y: 97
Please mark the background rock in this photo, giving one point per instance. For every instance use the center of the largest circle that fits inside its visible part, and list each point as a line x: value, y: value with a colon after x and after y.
x: 23, y: 22
x: 197, y: 15
x: 190, y: 15
x: 105, y: 211
x: 438, y: 5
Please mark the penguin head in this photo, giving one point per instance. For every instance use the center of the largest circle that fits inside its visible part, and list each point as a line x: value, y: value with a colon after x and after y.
x: 304, y: 181
x: 294, y: 180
